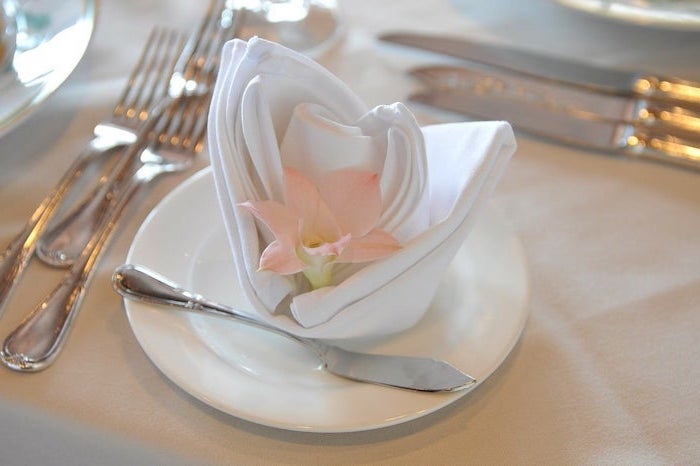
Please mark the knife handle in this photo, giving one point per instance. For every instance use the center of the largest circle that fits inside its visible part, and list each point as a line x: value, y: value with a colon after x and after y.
x: 640, y: 142
x: 669, y: 89
x: 665, y: 116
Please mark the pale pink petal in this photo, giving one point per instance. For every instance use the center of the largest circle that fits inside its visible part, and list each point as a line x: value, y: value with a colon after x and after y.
x: 281, y: 259
x: 317, y: 222
x: 354, y: 198
x: 374, y: 245
x: 282, y: 222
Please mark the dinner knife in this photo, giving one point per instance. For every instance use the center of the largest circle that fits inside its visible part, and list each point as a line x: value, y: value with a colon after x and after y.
x: 660, y: 115
x: 577, y: 129
x: 414, y: 373
x: 609, y: 80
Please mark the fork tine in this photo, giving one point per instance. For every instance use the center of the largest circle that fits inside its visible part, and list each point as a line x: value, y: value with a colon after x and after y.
x: 199, y: 129
x: 184, y: 120
x: 193, y: 125
x: 174, y: 42
x: 220, y: 24
x: 185, y: 126
x: 167, y: 54
x: 148, y: 80
x: 144, y: 63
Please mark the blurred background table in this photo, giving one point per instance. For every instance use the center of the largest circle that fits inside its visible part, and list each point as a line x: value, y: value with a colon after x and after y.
x: 607, y: 368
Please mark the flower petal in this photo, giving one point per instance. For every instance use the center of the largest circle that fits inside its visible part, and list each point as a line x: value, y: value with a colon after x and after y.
x: 281, y: 259
x: 317, y: 222
x: 374, y: 245
x: 282, y: 222
x: 354, y: 198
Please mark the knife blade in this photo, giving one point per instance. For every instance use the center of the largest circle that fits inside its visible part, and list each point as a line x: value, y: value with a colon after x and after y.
x: 413, y: 373
x: 576, y: 129
x: 662, y: 116
x: 608, y: 80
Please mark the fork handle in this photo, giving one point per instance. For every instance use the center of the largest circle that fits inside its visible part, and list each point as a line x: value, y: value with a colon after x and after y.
x: 15, y: 258
x: 62, y: 243
x: 36, y: 342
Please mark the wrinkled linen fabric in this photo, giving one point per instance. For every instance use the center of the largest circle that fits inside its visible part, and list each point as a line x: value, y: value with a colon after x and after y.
x: 273, y: 107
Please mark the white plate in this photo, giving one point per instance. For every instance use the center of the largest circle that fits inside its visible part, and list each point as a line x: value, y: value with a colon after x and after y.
x: 474, y: 322
x: 51, y: 39
x: 667, y: 14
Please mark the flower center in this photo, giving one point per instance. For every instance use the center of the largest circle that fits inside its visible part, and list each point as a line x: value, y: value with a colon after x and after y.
x: 314, y: 241
x: 318, y: 269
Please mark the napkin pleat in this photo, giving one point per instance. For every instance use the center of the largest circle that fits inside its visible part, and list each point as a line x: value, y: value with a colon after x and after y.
x: 312, y: 131
x: 433, y: 180
x: 232, y: 187
x: 404, y: 208
x: 494, y: 140
x: 301, y: 70
x: 260, y: 137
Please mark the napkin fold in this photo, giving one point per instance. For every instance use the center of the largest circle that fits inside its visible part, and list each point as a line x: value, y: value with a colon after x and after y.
x: 274, y: 108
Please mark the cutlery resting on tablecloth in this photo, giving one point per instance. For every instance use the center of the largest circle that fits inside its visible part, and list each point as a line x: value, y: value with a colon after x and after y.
x: 628, y: 113
x: 167, y: 139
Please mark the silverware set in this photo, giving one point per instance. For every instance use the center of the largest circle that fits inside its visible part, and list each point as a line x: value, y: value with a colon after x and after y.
x: 628, y: 113
x: 160, y: 122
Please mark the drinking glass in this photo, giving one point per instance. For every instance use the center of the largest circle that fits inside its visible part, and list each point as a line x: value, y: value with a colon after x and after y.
x: 307, y: 26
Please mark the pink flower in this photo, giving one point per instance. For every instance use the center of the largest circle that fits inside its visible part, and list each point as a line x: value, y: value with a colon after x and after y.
x: 318, y: 226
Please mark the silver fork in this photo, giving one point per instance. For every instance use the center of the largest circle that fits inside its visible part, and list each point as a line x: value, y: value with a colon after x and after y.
x: 179, y: 136
x: 144, y: 85
x: 36, y: 342
x: 63, y: 242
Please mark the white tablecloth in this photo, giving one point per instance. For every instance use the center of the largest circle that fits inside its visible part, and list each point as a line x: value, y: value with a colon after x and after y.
x: 607, y: 368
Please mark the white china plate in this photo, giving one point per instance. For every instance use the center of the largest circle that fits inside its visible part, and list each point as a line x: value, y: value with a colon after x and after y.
x: 51, y: 40
x: 667, y: 14
x: 474, y: 323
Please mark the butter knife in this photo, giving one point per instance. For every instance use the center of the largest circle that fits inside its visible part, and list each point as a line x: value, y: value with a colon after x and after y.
x: 578, y: 129
x: 413, y: 373
x: 660, y: 115
x: 615, y: 81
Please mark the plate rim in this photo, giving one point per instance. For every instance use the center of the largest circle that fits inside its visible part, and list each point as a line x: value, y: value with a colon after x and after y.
x: 637, y: 17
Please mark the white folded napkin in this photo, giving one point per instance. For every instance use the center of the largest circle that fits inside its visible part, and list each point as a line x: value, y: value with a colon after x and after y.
x: 274, y: 108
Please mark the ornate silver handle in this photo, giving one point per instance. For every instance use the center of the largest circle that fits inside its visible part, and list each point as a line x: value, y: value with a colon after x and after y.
x: 36, y: 342
x: 675, y: 90
x: 641, y: 142
x: 17, y: 254
x: 62, y: 243
x: 141, y: 284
